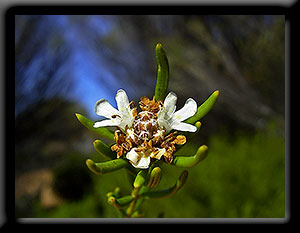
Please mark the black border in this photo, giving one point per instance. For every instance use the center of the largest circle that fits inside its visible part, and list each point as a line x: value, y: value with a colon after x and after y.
x: 102, y: 9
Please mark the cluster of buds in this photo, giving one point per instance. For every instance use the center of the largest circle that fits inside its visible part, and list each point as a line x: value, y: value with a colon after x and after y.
x: 146, y: 135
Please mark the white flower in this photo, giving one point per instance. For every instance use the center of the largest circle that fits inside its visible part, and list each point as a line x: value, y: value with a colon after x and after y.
x: 141, y: 159
x: 121, y: 117
x: 168, y: 118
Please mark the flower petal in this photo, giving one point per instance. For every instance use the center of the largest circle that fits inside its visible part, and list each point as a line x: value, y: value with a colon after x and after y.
x: 138, y: 160
x: 188, y: 110
x: 143, y: 163
x: 133, y: 156
x: 164, y: 123
x: 123, y: 107
x: 113, y: 122
x: 184, y: 127
x: 122, y: 101
x: 103, y: 108
x: 170, y: 103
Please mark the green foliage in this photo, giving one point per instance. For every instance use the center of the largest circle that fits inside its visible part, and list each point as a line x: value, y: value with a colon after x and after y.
x: 102, y: 131
x: 240, y: 179
x: 162, y: 80
x: 244, y: 178
x: 204, y: 108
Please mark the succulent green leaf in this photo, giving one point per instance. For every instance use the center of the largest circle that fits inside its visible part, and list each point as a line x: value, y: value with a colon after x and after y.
x: 191, y: 161
x: 140, y: 178
x: 168, y: 192
x: 204, y: 108
x: 125, y: 200
x: 102, y: 131
x: 106, y: 167
x: 104, y: 149
x: 162, y: 73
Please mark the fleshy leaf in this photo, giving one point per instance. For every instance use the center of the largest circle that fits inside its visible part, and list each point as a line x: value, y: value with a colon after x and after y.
x: 204, y: 108
x: 106, y: 167
x: 104, y: 149
x: 125, y: 200
x: 140, y: 178
x: 102, y: 131
x: 162, y: 73
x: 168, y: 192
x: 191, y: 161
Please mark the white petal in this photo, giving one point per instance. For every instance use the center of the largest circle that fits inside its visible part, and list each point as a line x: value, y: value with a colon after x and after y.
x: 159, y: 154
x: 138, y: 160
x: 123, y: 107
x: 188, y: 110
x: 103, y: 108
x: 164, y: 123
x: 184, y: 127
x: 170, y: 103
x: 113, y: 122
x: 122, y: 101
x: 133, y: 156
x: 143, y: 163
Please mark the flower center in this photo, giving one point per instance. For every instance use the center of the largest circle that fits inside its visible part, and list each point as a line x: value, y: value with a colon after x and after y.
x: 145, y: 125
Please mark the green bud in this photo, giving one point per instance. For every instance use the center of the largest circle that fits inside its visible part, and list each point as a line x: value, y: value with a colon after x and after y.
x: 140, y: 178
x: 155, y: 177
x: 204, y: 108
x: 105, y: 167
x: 109, y: 194
x: 191, y: 161
x: 117, y: 192
x: 162, y: 80
x: 102, y: 131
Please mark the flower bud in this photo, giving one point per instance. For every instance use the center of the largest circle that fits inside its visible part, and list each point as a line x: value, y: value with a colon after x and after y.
x: 155, y: 177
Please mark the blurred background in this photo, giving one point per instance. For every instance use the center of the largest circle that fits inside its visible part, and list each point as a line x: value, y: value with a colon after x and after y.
x: 64, y: 64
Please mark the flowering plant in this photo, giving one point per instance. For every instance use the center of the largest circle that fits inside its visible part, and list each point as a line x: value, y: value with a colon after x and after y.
x: 146, y: 136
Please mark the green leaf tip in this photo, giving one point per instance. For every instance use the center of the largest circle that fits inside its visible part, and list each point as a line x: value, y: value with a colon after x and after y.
x: 162, y: 80
x: 104, y: 149
x: 102, y: 131
x: 140, y: 178
x: 204, y: 108
x: 191, y: 161
x: 158, y: 45
x: 106, y: 167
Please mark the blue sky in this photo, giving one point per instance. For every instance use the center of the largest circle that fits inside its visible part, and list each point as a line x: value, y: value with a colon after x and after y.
x: 86, y: 68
